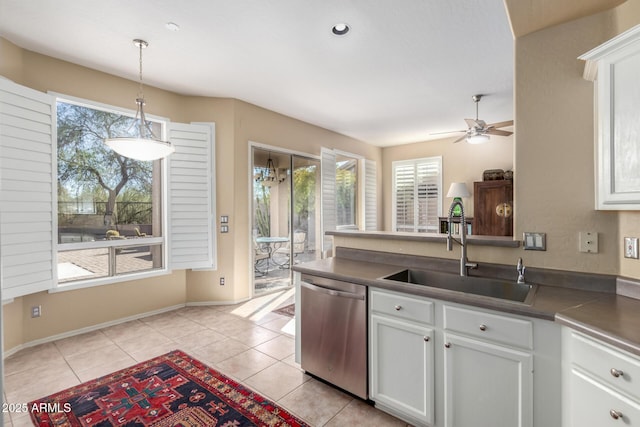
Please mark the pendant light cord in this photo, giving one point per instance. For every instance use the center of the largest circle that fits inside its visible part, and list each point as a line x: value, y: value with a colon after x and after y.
x: 141, y: 45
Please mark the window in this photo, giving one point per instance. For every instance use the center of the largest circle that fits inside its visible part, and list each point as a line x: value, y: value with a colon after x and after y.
x: 349, y: 193
x: 417, y: 189
x: 96, y: 231
x: 109, y: 206
x: 346, y: 192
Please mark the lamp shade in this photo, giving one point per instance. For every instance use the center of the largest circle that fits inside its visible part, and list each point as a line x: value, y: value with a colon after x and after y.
x: 140, y: 148
x: 458, y: 189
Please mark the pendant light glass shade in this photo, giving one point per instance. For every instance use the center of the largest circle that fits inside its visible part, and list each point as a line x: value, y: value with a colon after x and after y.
x: 145, y: 145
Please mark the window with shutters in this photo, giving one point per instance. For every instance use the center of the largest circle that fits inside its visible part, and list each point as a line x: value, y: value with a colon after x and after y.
x: 349, y: 193
x: 75, y: 215
x: 346, y: 192
x: 417, y: 190
x: 110, y: 220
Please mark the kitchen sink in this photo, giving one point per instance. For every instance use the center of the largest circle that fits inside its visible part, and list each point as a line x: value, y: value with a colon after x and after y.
x: 493, y: 288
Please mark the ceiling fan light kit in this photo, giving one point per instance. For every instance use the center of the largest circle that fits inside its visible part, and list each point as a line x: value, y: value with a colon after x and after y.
x: 477, y: 139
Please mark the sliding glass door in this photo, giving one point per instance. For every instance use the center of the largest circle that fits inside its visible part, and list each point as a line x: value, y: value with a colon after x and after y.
x: 286, y: 219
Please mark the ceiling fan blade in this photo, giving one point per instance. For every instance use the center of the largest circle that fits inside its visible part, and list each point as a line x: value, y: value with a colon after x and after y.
x: 451, y: 131
x: 462, y: 138
x: 499, y: 132
x: 472, y: 123
x: 502, y: 124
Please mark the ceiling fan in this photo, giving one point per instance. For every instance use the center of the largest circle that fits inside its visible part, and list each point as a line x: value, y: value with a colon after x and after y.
x: 479, y: 130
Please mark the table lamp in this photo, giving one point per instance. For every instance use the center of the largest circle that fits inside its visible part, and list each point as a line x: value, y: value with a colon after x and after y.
x: 458, y: 190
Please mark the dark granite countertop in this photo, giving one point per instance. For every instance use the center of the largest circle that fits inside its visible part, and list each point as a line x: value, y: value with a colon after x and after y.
x: 600, y: 313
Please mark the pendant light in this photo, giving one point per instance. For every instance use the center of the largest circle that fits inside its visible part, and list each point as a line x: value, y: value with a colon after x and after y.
x: 271, y: 176
x: 145, y: 146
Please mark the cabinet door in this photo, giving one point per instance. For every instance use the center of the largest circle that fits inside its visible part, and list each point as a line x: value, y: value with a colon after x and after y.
x: 618, y: 150
x: 402, y: 367
x: 493, y: 208
x: 486, y: 385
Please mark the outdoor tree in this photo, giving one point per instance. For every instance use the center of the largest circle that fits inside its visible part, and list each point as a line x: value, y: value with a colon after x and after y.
x: 304, y: 184
x: 86, y: 165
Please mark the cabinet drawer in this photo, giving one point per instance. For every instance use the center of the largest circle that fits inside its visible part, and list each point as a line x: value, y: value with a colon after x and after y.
x: 593, y: 404
x: 402, y: 306
x: 501, y: 329
x: 609, y: 364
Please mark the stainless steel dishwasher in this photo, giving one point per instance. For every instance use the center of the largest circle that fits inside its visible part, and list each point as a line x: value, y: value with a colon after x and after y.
x: 333, y: 330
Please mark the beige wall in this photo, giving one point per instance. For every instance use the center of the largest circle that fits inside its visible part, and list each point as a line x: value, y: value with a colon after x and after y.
x: 554, y: 156
x: 237, y: 123
x: 461, y: 162
x: 555, y: 147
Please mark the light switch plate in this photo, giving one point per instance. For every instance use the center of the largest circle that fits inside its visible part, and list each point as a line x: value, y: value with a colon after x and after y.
x: 631, y: 247
x: 534, y: 241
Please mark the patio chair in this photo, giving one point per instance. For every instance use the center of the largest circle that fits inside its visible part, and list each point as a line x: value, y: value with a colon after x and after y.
x: 259, y: 256
x: 299, y: 243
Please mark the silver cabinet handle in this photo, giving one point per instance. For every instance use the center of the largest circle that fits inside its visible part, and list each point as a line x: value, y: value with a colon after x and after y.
x: 483, y: 327
x: 398, y: 307
x: 616, y: 372
x: 448, y: 345
x: 426, y: 339
x: 615, y: 414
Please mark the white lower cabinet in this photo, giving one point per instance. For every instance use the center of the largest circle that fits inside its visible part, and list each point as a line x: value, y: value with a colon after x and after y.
x: 486, y: 385
x: 488, y: 369
x: 401, y: 357
x: 435, y: 363
x: 603, y: 383
x: 403, y: 366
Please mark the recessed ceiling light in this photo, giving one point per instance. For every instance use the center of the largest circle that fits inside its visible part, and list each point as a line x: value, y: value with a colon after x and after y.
x: 340, y: 29
x: 172, y: 26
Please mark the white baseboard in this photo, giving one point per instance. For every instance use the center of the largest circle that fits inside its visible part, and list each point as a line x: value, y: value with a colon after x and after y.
x: 92, y: 328
x: 205, y: 303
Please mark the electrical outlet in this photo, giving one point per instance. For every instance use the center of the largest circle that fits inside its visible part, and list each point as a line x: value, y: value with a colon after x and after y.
x: 631, y: 247
x: 36, y: 311
x: 222, y: 281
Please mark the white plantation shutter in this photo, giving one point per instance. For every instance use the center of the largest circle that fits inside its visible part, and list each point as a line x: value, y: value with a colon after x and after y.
x: 191, y: 185
x: 417, y: 189
x: 28, y: 219
x: 370, y: 196
x: 328, y: 181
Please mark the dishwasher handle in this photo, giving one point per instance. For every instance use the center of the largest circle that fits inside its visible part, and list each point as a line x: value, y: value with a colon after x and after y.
x: 332, y: 292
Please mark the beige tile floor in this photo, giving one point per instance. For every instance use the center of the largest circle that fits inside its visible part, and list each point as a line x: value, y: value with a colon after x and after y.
x: 246, y: 342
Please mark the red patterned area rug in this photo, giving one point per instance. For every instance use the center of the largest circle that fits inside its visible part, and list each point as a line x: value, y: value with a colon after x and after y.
x: 170, y: 390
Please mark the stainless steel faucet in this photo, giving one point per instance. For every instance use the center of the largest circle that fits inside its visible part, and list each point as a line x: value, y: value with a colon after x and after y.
x: 520, y: 268
x: 464, y: 264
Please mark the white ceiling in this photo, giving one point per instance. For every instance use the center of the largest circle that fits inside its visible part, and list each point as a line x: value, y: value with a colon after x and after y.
x: 406, y: 69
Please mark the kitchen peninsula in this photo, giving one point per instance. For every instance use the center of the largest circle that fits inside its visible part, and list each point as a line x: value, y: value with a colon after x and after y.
x: 530, y: 352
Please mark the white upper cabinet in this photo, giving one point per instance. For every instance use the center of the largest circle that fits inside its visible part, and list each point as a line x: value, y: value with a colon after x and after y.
x: 615, y: 67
